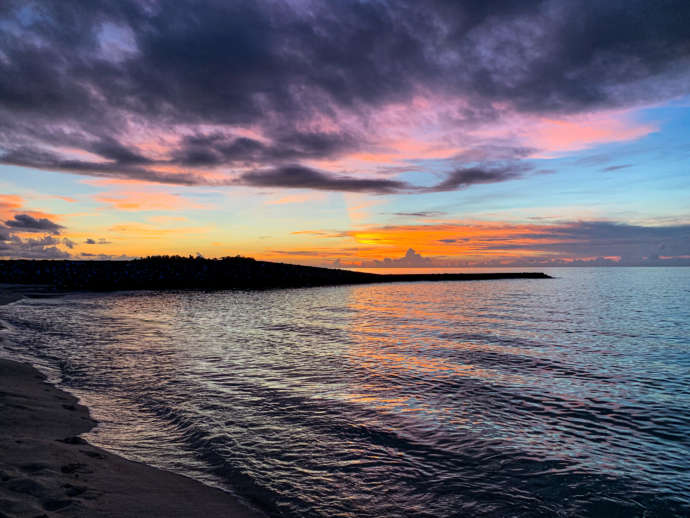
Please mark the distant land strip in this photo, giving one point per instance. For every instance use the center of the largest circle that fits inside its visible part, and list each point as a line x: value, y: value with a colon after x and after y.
x: 175, y: 272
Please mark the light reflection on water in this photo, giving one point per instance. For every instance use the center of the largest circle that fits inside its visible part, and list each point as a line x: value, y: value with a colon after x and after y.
x: 521, y: 397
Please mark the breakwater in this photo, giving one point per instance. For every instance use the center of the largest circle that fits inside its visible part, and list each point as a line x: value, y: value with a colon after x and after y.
x: 173, y: 272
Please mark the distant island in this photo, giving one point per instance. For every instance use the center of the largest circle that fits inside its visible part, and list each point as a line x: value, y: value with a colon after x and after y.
x: 176, y: 272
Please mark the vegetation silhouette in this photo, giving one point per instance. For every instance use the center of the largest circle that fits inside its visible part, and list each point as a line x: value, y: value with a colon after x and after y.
x: 176, y: 272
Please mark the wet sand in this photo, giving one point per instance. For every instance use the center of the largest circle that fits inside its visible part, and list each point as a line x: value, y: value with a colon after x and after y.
x: 47, y: 470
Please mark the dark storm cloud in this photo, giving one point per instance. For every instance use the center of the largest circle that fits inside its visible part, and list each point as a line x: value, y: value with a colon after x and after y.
x: 36, y: 158
x: 111, y: 149
x: 298, y: 177
x: 27, y: 223
x: 80, y: 74
x: 213, y: 150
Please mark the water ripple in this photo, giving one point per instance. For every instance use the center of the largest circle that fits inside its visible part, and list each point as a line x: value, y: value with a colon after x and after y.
x: 511, y: 398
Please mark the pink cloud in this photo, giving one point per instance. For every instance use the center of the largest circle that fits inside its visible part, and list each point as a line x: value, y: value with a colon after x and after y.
x: 556, y: 136
x: 146, y: 200
x: 298, y: 198
x: 434, y: 127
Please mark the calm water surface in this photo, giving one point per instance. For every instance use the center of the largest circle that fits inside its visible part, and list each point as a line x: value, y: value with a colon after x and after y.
x: 563, y: 397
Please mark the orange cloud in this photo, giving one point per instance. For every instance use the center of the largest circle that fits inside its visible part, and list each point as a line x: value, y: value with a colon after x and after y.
x: 68, y: 199
x: 487, y: 243
x: 150, y: 231
x: 167, y: 219
x: 9, y: 203
x: 470, y: 240
x: 443, y: 242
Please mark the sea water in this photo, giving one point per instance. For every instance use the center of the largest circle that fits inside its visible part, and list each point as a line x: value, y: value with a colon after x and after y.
x: 560, y: 397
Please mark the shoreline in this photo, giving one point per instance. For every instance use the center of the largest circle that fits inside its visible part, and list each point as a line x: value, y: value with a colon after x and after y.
x: 47, y: 470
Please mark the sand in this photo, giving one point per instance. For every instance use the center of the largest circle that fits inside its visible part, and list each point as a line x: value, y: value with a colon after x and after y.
x: 47, y: 470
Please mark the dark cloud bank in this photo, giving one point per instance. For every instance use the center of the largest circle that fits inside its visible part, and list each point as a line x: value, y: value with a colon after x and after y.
x: 14, y: 243
x: 27, y: 223
x: 42, y: 247
x: 590, y: 243
x: 84, y: 75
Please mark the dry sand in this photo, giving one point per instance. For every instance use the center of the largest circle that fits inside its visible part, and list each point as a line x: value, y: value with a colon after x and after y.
x: 47, y: 470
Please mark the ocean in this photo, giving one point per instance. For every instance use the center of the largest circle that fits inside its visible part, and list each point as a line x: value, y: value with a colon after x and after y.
x: 561, y: 397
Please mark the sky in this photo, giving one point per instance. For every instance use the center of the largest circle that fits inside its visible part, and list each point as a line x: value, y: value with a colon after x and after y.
x: 347, y: 133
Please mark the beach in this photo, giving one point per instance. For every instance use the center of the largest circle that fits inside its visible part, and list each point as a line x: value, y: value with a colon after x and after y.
x: 47, y: 470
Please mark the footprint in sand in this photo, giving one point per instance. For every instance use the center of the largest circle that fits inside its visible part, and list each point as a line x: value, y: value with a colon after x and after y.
x: 26, y: 486
x: 55, y: 504
x: 72, y: 440
x: 93, y: 454
x: 34, y: 467
x: 71, y: 490
x: 17, y: 507
x: 75, y: 467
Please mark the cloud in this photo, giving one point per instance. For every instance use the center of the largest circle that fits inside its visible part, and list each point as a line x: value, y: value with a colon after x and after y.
x: 457, y: 240
x: 217, y: 148
x: 477, y: 243
x: 411, y: 259
x: 39, y: 248
x: 101, y: 241
x: 105, y: 257
x: 632, y: 243
x: 297, y: 198
x: 37, y: 158
x: 12, y: 245
x: 421, y: 214
x: 9, y: 203
x: 27, y: 223
x: 215, y: 92
x: 463, y: 178
x: 297, y: 177
x: 297, y: 252
x: 147, y: 201
x: 616, y: 167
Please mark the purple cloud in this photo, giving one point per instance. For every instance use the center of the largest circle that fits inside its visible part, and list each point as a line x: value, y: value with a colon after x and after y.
x: 90, y: 76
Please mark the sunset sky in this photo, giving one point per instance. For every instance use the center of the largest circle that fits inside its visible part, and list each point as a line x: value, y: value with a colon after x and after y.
x: 347, y: 133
